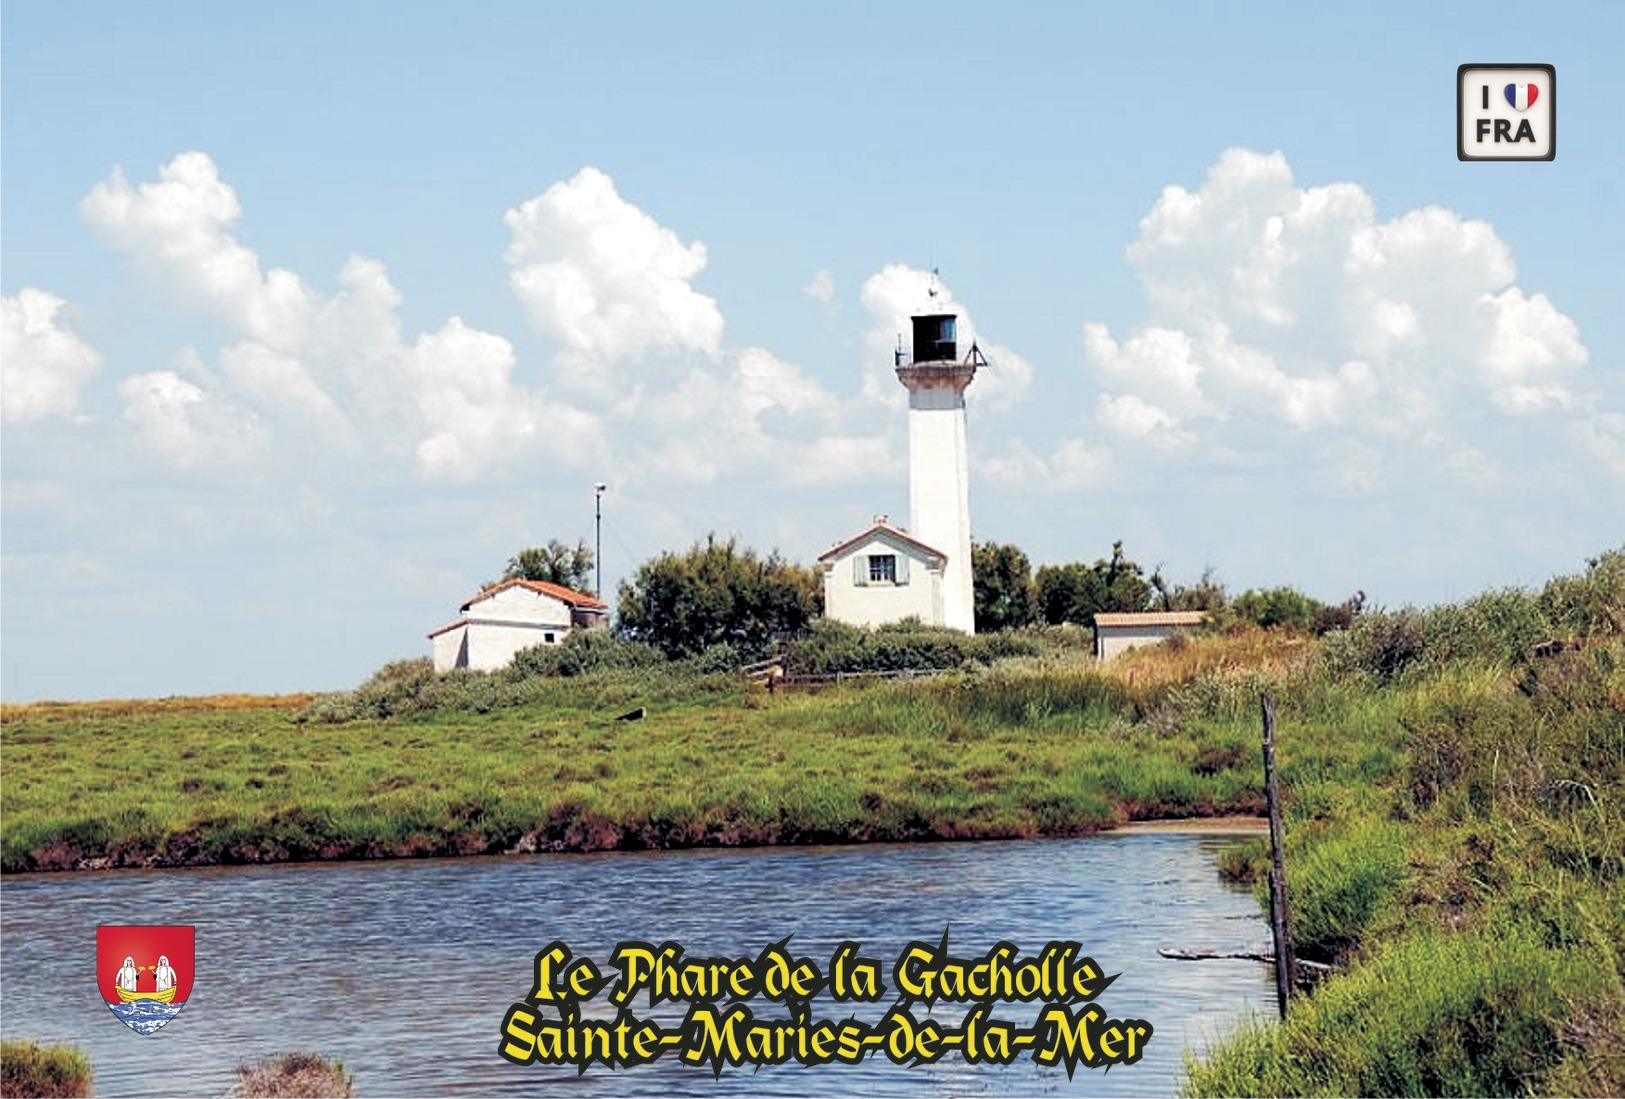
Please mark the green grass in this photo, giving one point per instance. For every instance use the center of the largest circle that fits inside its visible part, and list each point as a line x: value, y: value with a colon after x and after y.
x: 1459, y: 849
x: 1045, y: 751
x: 1432, y: 1013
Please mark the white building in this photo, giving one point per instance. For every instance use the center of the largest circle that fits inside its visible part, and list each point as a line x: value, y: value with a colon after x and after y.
x: 510, y: 616
x: 882, y: 575
x: 1118, y: 633
x: 938, y: 495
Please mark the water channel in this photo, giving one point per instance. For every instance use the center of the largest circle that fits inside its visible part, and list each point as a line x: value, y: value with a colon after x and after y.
x: 405, y: 969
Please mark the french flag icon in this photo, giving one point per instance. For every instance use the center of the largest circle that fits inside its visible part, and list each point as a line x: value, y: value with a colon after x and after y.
x: 1522, y: 96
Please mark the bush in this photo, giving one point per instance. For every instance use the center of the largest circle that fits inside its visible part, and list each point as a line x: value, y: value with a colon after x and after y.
x: 295, y: 1076
x: 27, y: 1068
x: 1379, y: 645
x: 831, y: 648
x: 413, y: 686
x: 1592, y: 604
x: 1499, y: 627
x: 583, y: 651
x: 1279, y: 607
x: 715, y: 593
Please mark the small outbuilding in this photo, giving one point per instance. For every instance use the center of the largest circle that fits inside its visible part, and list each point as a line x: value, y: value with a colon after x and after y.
x: 882, y: 575
x: 1118, y: 633
x: 513, y: 615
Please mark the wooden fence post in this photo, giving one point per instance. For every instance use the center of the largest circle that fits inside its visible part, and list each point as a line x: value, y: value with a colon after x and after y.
x: 1286, y: 969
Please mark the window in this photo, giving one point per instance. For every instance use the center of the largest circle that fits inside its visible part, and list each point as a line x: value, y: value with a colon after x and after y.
x: 882, y: 568
x: 549, y: 637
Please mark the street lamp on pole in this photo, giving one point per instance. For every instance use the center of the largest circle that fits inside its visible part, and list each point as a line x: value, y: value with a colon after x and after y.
x: 598, y: 534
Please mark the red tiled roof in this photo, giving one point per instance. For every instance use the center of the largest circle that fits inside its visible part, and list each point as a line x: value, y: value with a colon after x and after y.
x: 448, y: 626
x: 836, y: 551
x: 543, y: 587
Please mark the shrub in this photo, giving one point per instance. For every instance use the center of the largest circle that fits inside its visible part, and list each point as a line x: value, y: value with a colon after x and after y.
x: 1379, y: 645
x: 1497, y: 627
x: 293, y: 1075
x: 583, y: 651
x: 717, y: 592
x: 1592, y: 604
x: 1279, y: 607
x: 27, y: 1068
x: 831, y: 648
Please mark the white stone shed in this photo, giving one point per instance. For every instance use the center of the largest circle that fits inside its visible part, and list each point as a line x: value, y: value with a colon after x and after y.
x: 513, y: 615
x: 882, y: 575
x: 1119, y: 632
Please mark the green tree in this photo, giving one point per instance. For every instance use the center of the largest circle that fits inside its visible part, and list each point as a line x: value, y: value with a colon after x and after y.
x: 1002, y: 580
x: 1077, y: 592
x: 1067, y: 593
x: 1286, y: 607
x: 555, y: 563
x: 1204, y: 595
x: 717, y: 593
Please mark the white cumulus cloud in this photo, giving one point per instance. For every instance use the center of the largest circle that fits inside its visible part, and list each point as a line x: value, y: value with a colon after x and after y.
x: 184, y: 425
x: 43, y: 364
x: 1277, y: 311
x: 606, y: 280
x: 177, y: 234
x: 326, y: 375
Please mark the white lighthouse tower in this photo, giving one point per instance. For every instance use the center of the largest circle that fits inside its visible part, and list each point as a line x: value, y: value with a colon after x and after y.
x: 886, y: 573
x: 938, y: 461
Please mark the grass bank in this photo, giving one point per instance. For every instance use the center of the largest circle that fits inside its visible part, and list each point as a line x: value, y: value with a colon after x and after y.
x: 1473, y: 890
x: 1036, y: 746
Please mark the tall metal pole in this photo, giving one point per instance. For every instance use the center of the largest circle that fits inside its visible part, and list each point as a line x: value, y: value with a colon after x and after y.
x: 598, y: 535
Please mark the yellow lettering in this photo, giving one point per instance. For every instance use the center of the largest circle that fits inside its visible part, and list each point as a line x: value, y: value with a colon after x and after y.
x: 584, y: 980
x: 516, y: 1026
x: 851, y: 1042
x: 553, y: 954
x: 1071, y: 1037
x: 636, y: 962
x: 714, y: 1042
x: 909, y: 977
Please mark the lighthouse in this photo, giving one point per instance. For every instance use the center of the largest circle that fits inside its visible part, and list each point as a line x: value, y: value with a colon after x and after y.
x: 938, y: 462
x: 887, y: 573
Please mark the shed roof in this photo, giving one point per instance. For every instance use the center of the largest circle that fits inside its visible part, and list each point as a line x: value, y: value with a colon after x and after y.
x: 1152, y: 618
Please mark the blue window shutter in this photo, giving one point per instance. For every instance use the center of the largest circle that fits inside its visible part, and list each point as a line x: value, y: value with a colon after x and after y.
x: 860, y: 570
x: 902, y: 568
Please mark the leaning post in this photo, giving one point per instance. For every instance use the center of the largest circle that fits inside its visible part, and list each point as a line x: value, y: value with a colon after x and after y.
x: 1285, y: 964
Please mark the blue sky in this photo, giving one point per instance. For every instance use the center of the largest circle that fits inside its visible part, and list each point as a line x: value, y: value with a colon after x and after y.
x: 314, y: 314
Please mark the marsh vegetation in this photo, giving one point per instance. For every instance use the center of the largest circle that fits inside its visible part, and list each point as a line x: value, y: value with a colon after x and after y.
x: 1454, y: 777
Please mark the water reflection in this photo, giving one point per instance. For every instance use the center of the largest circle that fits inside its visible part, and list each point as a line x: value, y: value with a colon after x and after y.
x: 406, y: 969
